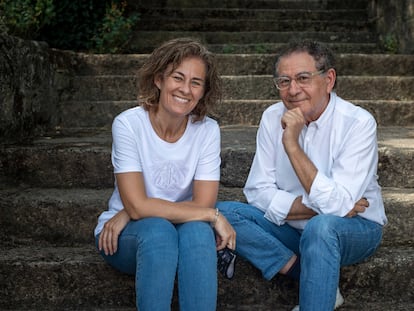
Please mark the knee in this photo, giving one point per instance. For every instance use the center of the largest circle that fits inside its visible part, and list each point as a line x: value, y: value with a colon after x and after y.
x: 232, y: 209
x: 157, y: 232
x: 320, y: 225
x: 196, y: 233
x: 197, y: 246
x: 319, y: 229
x: 227, y: 206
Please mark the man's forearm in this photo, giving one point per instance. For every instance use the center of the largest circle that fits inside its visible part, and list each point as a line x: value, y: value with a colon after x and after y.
x: 298, y: 211
x: 304, y: 168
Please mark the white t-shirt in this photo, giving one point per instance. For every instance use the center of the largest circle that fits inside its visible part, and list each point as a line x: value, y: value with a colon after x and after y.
x: 168, y: 168
x: 342, y: 144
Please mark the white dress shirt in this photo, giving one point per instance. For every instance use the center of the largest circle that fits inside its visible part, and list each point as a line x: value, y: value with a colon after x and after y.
x: 342, y: 144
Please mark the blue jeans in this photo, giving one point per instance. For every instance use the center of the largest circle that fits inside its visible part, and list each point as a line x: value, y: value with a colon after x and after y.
x: 155, y: 250
x: 326, y: 244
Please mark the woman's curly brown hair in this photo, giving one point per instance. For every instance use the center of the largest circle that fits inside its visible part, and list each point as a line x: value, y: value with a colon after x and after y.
x: 173, y: 52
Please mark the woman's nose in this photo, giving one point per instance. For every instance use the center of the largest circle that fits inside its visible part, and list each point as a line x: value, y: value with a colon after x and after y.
x: 185, y: 87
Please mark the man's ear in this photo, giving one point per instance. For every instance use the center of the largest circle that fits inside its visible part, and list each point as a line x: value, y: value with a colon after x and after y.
x: 331, y: 78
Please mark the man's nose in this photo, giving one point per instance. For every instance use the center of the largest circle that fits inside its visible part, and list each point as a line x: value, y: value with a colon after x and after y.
x: 294, y: 87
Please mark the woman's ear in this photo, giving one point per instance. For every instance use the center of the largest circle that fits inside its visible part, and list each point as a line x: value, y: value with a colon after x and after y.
x: 158, y: 81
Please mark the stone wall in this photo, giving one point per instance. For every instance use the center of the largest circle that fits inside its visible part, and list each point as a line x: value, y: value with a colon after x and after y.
x: 395, y: 23
x: 27, y: 95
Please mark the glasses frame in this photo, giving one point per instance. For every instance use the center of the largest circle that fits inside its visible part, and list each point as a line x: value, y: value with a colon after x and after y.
x: 312, y: 75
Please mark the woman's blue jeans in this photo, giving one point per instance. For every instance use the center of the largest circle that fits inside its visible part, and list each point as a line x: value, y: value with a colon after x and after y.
x: 326, y: 244
x: 155, y: 251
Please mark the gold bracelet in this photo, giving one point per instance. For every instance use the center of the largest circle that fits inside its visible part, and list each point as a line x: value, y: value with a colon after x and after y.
x: 216, y: 216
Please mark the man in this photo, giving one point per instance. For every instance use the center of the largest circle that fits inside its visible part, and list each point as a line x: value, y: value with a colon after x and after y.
x: 314, y: 201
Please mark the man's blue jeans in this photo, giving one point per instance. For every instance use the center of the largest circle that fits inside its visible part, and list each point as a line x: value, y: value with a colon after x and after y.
x: 326, y: 244
x: 155, y: 250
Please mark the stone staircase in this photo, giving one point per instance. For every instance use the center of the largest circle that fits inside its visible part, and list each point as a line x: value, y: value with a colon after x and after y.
x: 242, y: 26
x: 53, y: 188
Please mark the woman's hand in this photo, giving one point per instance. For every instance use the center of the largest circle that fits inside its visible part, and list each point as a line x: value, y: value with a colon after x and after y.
x: 225, y: 234
x: 108, y: 239
x: 359, y: 207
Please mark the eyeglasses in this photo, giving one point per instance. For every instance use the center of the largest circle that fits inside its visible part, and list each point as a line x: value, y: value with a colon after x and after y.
x: 303, y: 79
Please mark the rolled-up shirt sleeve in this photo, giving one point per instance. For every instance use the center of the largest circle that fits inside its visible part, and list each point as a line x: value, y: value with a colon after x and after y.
x: 273, y: 202
x: 336, y: 191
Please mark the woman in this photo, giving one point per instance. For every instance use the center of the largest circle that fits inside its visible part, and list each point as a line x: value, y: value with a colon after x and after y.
x: 166, y: 158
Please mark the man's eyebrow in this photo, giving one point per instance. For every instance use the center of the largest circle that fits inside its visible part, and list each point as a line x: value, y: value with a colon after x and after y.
x: 299, y: 73
x: 306, y: 71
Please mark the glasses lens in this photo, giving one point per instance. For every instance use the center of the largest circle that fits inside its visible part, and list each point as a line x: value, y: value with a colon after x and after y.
x: 282, y: 83
x: 304, y: 79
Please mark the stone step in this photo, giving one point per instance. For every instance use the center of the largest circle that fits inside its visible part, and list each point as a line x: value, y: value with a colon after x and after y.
x: 82, y: 159
x: 210, y: 24
x: 396, y: 152
x: 257, y: 4
x: 69, y: 278
x: 231, y: 42
x: 239, y: 64
x: 31, y: 215
x: 248, y: 37
x: 242, y: 19
x: 348, y: 87
x: 350, y: 306
x: 230, y: 112
x: 100, y: 114
x: 180, y: 13
x: 264, y: 47
x: 246, y: 87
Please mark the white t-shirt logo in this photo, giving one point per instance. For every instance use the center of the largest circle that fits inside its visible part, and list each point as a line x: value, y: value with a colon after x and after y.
x: 168, y: 175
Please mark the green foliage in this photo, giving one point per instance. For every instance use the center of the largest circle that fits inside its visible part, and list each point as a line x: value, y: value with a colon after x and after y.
x: 76, y: 23
x: 260, y: 48
x: 3, y: 27
x: 88, y: 25
x: 25, y: 18
x: 390, y: 43
x: 115, y: 30
x: 228, y: 49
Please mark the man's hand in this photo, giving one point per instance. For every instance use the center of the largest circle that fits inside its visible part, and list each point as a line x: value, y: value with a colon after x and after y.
x: 359, y: 207
x: 293, y: 122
